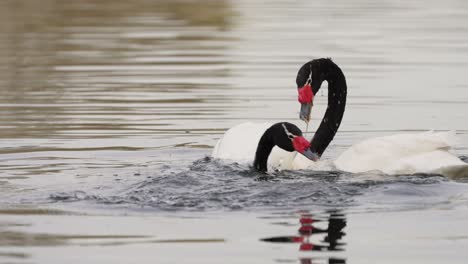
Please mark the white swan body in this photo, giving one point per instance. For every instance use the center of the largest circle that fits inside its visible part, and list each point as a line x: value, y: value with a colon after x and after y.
x: 426, y: 152
x: 240, y: 143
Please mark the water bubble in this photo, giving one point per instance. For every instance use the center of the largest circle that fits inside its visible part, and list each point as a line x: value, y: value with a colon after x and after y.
x: 80, y: 195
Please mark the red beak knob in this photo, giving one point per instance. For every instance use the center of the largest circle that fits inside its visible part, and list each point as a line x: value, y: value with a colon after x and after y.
x: 305, y: 94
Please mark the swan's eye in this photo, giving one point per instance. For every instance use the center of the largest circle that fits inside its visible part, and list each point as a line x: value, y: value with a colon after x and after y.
x: 290, y: 136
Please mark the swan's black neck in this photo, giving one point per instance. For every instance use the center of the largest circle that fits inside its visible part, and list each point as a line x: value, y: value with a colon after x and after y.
x: 327, y: 70
x: 265, y: 145
x: 274, y: 136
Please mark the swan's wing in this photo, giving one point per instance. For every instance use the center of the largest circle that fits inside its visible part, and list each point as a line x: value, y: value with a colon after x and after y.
x: 239, y: 143
x: 454, y: 172
x: 371, y: 154
x: 401, y: 153
x: 429, y: 162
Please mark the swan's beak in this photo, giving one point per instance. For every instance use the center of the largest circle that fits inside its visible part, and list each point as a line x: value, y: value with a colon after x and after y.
x: 304, y: 115
x: 310, y: 155
x: 302, y: 146
x: 306, y: 98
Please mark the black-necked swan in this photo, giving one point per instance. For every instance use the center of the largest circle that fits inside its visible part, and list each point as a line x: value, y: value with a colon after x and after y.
x: 426, y: 152
x: 309, y: 80
x: 239, y: 143
x: 262, y: 143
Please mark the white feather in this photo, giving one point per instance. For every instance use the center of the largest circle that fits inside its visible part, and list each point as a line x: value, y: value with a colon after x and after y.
x: 426, y: 152
x: 240, y: 143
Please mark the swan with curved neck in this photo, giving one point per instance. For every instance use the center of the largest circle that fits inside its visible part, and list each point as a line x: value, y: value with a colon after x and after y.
x: 238, y: 144
x: 397, y: 154
x: 309, y: 80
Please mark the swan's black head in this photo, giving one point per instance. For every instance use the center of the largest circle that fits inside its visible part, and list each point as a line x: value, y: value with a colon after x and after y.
x: 288, y: 137
x: 309, y: 79
x: 299, y: 143
x: 284, y: 135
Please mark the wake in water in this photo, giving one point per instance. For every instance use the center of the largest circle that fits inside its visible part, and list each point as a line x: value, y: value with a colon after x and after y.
x: 208, y: 184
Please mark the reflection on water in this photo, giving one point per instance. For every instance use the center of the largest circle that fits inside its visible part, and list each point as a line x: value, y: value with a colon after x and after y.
x: 330, y: 261
x: 82, y: 78
x: 109, y: 103
x: 308, y: 230
x: 96, y: 68
x: 14, y: 236
x: 233, y: 238
x: 112, y: 76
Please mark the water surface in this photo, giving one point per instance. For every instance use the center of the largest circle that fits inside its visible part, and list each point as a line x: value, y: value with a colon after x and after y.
x: 110, y: 110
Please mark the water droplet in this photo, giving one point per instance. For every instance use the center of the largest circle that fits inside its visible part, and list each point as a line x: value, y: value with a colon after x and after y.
x: 80, y: 195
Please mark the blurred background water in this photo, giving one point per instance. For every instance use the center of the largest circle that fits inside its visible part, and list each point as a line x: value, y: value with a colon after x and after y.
x: 106, y: 105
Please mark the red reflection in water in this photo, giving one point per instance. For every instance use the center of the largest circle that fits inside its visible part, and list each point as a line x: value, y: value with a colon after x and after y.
x: 330, y: 242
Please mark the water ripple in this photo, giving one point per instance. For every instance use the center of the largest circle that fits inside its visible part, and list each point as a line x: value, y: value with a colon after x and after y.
x: 210, y: 185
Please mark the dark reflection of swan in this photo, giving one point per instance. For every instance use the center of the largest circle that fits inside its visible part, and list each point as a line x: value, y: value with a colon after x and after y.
x: 336, y: 223
x: 332, y: 241
x: 330, y: 261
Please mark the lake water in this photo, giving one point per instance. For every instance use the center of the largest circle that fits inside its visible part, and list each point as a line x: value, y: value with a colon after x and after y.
x: 110, y: 110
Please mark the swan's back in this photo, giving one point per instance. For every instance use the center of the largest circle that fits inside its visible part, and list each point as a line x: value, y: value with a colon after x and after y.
x: 401, y: 154
x: 240, y: 143
x: 426, y: 152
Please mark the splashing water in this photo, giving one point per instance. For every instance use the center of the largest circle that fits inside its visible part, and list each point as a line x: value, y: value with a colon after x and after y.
x: 208, y: 184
